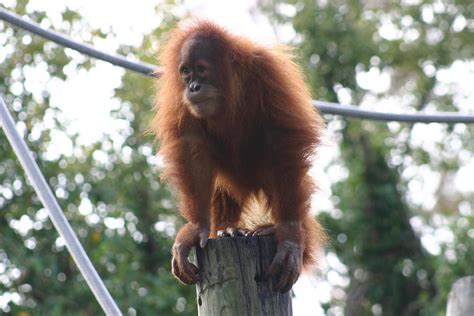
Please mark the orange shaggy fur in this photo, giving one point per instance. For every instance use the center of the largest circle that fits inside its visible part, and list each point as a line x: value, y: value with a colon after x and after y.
x: 265, y: 152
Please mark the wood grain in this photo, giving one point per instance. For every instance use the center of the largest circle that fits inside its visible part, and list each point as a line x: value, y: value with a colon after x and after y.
x: 232, y: 271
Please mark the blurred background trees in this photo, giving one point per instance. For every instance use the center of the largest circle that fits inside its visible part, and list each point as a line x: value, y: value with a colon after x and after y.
x: 401, y: 223
x: 346, y: 47
x: 109, y: 190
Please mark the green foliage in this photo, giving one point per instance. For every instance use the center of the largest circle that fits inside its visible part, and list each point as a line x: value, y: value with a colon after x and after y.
x: 110, y: 191
x: 411, y: 41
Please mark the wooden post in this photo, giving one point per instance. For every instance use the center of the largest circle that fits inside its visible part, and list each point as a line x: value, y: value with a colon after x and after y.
x: 461, y: 297
x: 232, y: 273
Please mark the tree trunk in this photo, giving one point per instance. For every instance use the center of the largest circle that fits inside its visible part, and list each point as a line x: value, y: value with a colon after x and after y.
x: 232, y: 271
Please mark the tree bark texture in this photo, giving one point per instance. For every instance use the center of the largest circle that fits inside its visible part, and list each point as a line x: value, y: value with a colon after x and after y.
x: 232, y: 272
